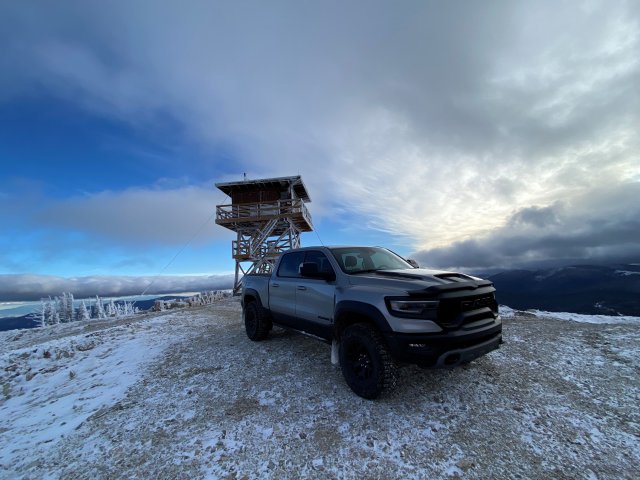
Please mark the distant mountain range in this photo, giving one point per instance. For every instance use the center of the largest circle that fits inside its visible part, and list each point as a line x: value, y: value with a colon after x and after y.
x: 589, y: 289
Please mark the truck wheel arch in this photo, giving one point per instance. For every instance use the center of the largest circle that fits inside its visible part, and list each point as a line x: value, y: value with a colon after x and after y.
x: 251, y: 295
x: 349, y: 312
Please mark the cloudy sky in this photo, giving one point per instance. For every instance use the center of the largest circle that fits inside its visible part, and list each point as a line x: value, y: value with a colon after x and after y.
x: 465, y: 134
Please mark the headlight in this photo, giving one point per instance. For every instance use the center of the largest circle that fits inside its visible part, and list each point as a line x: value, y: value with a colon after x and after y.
x: 412, y: 307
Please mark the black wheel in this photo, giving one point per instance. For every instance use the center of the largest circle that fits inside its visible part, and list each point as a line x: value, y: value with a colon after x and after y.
x: 366, y: 364
x: 256, y: 322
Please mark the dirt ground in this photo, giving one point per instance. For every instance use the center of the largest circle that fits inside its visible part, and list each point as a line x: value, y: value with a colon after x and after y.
x: 560, y: 399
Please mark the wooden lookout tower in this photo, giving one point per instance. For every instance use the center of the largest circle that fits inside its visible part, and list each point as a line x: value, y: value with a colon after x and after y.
x: 268, y: 216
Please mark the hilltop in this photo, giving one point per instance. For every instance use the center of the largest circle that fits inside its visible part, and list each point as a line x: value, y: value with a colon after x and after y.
x: 184, y: 394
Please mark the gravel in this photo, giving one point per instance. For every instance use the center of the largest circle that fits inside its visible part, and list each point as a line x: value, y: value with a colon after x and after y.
x: 558, y: 400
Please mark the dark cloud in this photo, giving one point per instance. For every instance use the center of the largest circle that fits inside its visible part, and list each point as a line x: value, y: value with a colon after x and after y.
x: 605, y: 228
x: 536, y: 216
x: 25, y: 287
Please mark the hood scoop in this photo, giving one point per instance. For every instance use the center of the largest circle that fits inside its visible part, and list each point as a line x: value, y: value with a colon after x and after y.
x: 398, y: 274
x: 454, y: 277
x: 455, y: 282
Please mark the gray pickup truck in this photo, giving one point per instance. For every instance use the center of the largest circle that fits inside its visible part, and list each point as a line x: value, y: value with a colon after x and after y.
x: 376, y: 309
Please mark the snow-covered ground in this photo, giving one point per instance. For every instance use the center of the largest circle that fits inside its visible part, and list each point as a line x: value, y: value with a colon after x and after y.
x: 508, y: 312
x: 51, y: 387
x: 185, y: 395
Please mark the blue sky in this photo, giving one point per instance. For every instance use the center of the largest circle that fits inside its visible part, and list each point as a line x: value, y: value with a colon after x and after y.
x: 57, y: 152
x: 466, y: 135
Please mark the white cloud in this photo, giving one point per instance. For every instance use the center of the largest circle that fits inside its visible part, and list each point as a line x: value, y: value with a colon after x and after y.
x: 140, y: 216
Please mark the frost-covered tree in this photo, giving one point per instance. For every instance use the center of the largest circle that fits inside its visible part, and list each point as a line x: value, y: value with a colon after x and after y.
x: 69, y: 314
x: 100, y: 308
x: 64, y: 307
x: 61, y: 308
x: 45, y: 313
x: 112, y: 311
x: 58, y: 308
x: 82, y: 314
x: 49, y: 312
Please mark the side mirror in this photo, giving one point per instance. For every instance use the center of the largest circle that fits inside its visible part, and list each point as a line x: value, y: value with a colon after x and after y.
x: 413, y: 263
x: 310, y: 270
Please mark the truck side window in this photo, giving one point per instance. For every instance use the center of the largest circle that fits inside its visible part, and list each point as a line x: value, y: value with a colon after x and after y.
x: 320, y: 259
x: 290, y: 264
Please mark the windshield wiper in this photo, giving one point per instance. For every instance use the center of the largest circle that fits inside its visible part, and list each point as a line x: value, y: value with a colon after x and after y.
x: 364, y: 271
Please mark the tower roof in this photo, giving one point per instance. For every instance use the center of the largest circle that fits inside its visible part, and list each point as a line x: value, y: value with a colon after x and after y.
x: 266, y: 183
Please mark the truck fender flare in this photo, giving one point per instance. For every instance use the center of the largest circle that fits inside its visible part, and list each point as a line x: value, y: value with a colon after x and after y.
x: 250, y: 292
x: 350, y: 311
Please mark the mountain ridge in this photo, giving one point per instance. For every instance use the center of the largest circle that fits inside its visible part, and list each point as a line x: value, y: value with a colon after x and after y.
x: 586, y: 289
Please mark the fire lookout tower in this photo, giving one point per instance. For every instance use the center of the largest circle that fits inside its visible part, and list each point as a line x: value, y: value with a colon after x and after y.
x: 268, y: 216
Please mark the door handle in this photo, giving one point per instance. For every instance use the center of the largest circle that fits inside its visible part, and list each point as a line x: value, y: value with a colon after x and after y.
x: 301, y: 287
x: 275, y: 285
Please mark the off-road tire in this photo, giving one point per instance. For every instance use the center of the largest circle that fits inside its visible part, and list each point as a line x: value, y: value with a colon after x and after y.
x: 366, y: 364
x: 256, y: 322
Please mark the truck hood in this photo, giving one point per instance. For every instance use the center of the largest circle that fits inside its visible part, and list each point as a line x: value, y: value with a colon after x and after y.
x: 418, y: 280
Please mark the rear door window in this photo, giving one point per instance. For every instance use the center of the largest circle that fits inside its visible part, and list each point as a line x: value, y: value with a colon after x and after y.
x: 290, y: 264
x: 319, y: 259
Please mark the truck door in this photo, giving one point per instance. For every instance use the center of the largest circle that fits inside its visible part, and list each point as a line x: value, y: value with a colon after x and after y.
x: 282, y: 287
x: 315, y: 297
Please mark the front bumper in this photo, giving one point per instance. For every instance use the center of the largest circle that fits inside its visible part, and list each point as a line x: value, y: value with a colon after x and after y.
x: 447, y: 349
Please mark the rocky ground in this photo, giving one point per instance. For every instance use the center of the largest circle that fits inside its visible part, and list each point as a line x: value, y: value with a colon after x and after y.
x: 187, y: 395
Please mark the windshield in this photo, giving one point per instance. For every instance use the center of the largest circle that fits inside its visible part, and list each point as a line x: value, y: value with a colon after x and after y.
x: 368, y: 259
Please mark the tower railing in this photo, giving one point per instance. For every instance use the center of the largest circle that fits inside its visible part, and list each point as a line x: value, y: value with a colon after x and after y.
x: 254, y: 211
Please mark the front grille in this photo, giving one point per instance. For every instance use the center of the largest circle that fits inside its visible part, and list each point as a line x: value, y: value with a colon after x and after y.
x: 453, y: 312
x: 479, y: 302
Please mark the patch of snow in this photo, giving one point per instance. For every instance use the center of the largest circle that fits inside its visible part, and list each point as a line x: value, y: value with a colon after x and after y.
x: 506, y: 312
x: 266, y: 398
x: 264, y: 432
x: 63, y: 382
x: 581, y: 318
